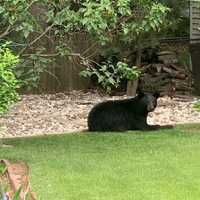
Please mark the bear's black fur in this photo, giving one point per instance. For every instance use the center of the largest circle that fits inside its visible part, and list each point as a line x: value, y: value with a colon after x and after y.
x: 122, y: 115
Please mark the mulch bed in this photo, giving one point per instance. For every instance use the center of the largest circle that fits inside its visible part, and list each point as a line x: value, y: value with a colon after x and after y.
x: 67, y: 112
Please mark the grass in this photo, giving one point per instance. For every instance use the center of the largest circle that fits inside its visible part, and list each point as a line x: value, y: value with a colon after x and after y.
x: 162, y: 165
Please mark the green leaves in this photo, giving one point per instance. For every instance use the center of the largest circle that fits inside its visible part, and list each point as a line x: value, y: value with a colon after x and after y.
x: 128, y: 73
x: 2, y: 9
x: 128, y: 21
x: 26, y: 28
x: 109, y: 76
x: 55, y: 22
x: 151, y: 18
x: 8, y: 81
x: 98, y: 18
x: 123, y: 7
x: 17, y: 194
x: 197, y: 105
x: 2, y: 169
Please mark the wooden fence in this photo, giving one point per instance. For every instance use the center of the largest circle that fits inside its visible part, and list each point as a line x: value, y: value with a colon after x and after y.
x: 195, y: 21
x: 63, y: 75
x: 195, y: 42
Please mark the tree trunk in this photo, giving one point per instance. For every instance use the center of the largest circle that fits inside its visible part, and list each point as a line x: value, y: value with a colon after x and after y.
x: 132, y: 87
x: 133, y: 84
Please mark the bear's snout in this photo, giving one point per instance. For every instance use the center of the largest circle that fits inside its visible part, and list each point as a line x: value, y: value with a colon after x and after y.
x: 151, y: 107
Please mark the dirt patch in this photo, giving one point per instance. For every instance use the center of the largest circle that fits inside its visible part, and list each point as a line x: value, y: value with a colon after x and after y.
x: 67, y: 112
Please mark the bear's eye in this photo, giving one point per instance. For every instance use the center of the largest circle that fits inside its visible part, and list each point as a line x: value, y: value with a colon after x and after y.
x: 156, y: 94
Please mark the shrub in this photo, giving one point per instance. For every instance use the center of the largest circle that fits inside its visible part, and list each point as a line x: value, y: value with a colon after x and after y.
x: 197, y: 105
x: 8, y: 81
x: 110, y: 75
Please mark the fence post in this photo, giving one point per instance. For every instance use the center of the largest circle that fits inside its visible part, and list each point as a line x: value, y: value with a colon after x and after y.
x: 195, y: 42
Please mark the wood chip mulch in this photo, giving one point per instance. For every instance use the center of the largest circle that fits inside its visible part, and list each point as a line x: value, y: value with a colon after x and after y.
x: 67, y: 112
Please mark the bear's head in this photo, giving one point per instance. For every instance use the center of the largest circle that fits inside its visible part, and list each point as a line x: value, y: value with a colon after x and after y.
x: 148, y: 100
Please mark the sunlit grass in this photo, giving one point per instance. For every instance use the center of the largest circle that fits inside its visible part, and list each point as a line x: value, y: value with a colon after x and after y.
x: 161, y: 165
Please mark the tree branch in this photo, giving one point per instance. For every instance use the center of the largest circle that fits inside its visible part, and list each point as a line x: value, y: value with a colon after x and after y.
x: 6, y: 32
x: 34, y: 1
x: 54, y: 55
x: 122, y: 20
x: 36, y: 39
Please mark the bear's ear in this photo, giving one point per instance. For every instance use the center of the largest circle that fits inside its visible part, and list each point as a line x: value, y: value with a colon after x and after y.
x: 156, y: 94
x: 140, y: 94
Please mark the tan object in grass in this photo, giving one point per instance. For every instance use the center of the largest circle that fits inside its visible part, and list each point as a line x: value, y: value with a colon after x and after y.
x: 18, y: 177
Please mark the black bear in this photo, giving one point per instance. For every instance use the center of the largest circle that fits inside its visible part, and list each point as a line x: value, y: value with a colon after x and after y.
x: 122, y: 115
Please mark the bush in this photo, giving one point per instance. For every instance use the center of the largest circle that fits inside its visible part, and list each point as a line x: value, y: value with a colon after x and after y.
x: 110, y: 75
x: 8, y: 81
x: 197, y: 105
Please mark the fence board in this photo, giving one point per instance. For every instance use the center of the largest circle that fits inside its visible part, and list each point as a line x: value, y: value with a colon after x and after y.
x: 194, y: 20
x: 64, y: 74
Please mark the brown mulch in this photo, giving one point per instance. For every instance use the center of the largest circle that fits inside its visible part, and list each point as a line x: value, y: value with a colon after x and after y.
x: 67, y: 112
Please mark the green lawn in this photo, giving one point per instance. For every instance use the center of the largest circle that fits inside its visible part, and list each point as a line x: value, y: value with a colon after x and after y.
x: 162, y: 165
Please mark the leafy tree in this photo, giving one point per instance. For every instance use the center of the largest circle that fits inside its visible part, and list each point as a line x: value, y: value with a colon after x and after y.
x: 31, y: 22
x: 110, y: 75
x: 133, y: 22
x: 179, y: 18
